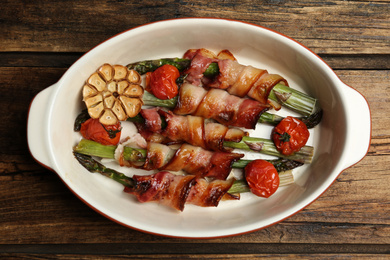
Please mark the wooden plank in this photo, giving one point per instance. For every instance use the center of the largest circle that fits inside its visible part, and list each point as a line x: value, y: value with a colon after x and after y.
x: 196, y: 256
x: 65, y: 60
x: 208, y: 250
x: 76, y: 26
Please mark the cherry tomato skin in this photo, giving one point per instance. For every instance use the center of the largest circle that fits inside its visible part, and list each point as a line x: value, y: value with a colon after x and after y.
x: 262, y: 178
x: 93, y: 130
x: 163, y: 82
x: 290, y: 135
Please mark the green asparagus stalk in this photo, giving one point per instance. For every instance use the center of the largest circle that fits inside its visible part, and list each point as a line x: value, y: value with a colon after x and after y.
x: 94, y: 166
x: 294, y: 100
x: 88, y: 147
x: 286, y: 96
x: 266, y: 146
x: 239, y: 186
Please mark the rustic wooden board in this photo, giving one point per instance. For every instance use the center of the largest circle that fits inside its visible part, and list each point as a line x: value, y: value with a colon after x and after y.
x: 41, y: 219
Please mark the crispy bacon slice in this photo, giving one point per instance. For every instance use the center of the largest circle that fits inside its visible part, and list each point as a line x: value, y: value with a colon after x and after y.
x: 190, y: 129
x: 163, y: 187
x: 219, y: 105
x: 190, y: 159
x: 209, y: 194
x: 237, y: 79
x: 175, y: 191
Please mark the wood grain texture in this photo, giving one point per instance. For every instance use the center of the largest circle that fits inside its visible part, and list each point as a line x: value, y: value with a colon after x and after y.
x: 338, y: 27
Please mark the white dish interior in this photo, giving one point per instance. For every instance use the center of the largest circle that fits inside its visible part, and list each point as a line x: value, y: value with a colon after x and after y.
x: 252, y: 45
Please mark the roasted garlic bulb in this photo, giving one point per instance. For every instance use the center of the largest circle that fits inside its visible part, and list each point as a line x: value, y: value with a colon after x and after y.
x: 113, y: 93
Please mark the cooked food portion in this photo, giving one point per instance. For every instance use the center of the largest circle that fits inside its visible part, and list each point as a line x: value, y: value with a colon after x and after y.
x: 190, y: 129
x: 219, y: 105
x: 162, y: 82
x: 188, y: 158
x: 202, y: 105
x: 176, y: 191
x: 237, y: 79
x: 136, y: 157
x: 113, y: 93
x: 202, y: 67
x: 290, y: 135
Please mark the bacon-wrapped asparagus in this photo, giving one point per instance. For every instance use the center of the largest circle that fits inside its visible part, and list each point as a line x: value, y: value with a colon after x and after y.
x: 173, y: 190
x: 273, y: 119
x: 163, y: 126
x: 237, y: 79
x: 190, y: 159
x: 219, y: 105
x: 176, y: 191
x: 193, y: 160
x: 157, y: 125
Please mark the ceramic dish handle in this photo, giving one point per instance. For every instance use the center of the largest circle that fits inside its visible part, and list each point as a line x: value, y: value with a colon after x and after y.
x: 359, y: 124
x: 37, y: 134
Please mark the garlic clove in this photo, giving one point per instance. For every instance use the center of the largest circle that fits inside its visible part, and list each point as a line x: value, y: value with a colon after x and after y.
x: 106, y: 71
x: 120, y: 72
x: 134, y: 77
x: 122, y: 85
x: 134, y: 91
x: 118, y: 110
x: 111, y: 86
x: 94, y: 100
x: 96, y: 81
x: 96, y: 111
x: 132, y: 105
x: 89, y: 91
x: 108, y: 118
x: 109, y: 101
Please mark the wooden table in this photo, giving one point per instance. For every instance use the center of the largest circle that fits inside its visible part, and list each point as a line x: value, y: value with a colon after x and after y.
x: 40, y: 218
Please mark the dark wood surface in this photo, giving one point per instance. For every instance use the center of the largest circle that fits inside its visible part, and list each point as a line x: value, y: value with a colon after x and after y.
x: 41, y: 219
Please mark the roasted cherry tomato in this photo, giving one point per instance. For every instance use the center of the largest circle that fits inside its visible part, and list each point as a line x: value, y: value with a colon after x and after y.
x: 162, y: 82
x: 93, y: 130
x: 262, y: 178
x: 290, y: 135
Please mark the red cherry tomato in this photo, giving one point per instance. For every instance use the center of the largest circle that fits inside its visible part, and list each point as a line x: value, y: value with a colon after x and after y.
x: 290, y: 135
x: 93, y: 130
x: 262, y: 178
x: 162, y: 82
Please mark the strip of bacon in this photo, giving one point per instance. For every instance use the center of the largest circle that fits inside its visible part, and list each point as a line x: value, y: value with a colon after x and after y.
x: 237, y: 79
x: 219, y: 105
x: 175, y: 191
x: 163, y: 187
x: 190, y: 159
x: 190, y: 129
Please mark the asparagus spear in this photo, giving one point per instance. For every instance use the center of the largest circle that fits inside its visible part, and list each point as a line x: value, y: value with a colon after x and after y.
x: 92, y: 148
x: 282, y: 94
x: 94, y: 166
x: 239, y: 186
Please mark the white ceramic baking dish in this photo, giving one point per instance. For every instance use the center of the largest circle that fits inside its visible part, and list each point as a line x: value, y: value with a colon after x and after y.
x: 341, y: 140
